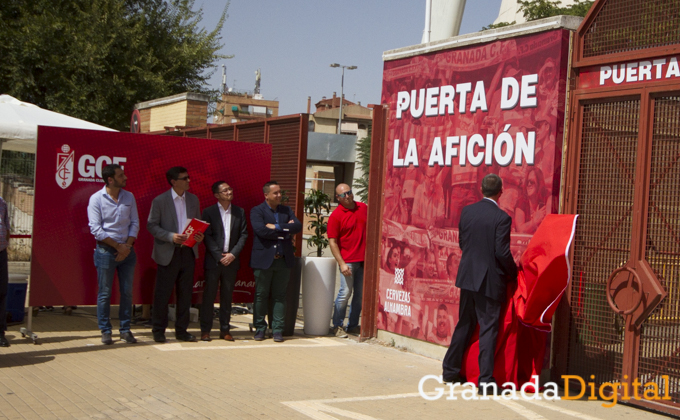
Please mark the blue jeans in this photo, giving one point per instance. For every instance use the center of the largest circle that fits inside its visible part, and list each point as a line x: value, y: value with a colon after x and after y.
x: 347, y: 283
x: 105, y: 261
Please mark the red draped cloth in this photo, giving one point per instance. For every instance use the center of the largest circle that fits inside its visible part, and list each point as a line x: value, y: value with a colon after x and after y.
x: 525, y: 322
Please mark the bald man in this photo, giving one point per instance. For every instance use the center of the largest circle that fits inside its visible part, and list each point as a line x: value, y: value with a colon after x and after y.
x: 347, y: 238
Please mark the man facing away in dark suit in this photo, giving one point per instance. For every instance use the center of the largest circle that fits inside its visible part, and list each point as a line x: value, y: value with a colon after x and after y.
x: 272, y: 258
x: 485, y: 268
x: 170, y: 213
x: 224, y: 240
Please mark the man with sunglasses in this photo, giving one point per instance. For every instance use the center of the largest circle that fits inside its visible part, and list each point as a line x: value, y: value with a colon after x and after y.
x: 170, y: 213
x: 347, y: 239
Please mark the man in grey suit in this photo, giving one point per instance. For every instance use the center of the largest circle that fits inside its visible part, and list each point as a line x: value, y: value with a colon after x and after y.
x: 169, y: 215
x: 224, y: 240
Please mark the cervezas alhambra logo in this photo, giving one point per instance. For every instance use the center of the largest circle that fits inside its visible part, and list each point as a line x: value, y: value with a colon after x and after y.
x: 64, y: 175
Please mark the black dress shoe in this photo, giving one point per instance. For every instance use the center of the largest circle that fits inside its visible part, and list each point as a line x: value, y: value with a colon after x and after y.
x: 106, y: 338
x: 159, y: 338
x: 185, y: 337
x: 3, y: 341
x: 491, y: 389
x: 457, y: 379
x: 128, y: 337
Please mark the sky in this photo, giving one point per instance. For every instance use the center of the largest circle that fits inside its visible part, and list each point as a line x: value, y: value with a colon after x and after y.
x: 293, y: 43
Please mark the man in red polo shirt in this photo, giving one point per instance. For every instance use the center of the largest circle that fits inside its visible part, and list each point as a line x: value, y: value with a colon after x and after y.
x: 347, y: 237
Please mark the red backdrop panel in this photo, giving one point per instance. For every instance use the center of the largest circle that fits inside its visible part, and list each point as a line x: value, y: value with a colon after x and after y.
x: 62, y: 265
x: 428, y: 183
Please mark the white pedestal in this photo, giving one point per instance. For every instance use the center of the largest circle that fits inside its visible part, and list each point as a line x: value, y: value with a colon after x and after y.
x: 318, y: 288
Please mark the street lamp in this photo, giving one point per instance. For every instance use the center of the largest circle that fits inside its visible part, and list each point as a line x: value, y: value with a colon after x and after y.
x: 342, y: 87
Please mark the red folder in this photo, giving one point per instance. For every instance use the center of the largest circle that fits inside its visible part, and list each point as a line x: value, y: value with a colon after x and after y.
x: 192, y: 228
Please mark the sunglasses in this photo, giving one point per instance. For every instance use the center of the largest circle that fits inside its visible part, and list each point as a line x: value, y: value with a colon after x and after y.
x: 531, y: 182
x: 345, y: 194
x: 186, y: 178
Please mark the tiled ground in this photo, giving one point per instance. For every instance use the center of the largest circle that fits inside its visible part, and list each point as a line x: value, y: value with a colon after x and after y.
x: 72, y: 375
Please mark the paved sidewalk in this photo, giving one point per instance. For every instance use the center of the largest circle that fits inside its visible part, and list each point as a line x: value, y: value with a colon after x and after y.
x: 72, y: 375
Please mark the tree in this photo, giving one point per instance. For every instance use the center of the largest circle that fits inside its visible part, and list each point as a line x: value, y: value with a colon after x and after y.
x: 539, y: 9
x: 317, y: 206
x: 94, y: 59
x: 364, y: 160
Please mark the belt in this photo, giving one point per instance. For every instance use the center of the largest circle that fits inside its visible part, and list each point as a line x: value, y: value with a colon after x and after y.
x: 278, y: 257
x: 106, y: 246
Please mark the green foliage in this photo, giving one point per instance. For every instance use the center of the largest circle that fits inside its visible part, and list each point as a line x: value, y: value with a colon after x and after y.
x: 94, y: 59
x: 364, y: 160
x: 498, y: 25
x: 539, y: 9
x: 317, y: 207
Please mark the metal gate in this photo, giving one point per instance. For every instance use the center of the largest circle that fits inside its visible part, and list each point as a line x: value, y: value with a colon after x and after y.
x: 620, y: 321
x: 624, y: 312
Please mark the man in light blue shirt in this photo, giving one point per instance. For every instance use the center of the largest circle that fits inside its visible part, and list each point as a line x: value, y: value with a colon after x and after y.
x: 113, y: 220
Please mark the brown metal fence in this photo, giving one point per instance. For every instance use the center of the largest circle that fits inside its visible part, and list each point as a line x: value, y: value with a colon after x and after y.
x: 629, y: 25
x: 659, y: 345
x: 602, y: 243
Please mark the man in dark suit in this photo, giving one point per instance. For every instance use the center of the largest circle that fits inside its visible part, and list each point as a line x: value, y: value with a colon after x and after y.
x: 485, y: 268
x: 224, y: 240
x: 272, y: 258
x: 170, y: 213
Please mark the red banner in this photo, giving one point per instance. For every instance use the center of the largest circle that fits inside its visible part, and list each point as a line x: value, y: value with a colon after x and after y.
x: 458, y: 115
x: 68, y: 172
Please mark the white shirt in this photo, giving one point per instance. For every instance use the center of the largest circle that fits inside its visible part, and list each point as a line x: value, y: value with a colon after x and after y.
x: 226, y: 222
x: 180, y: 210
x: 492, y: 200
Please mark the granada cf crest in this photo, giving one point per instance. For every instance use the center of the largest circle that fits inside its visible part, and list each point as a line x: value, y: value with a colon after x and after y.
x: 64, y: 175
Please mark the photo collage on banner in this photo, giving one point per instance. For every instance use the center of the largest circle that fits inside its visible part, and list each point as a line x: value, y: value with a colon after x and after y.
x: 456, y: 116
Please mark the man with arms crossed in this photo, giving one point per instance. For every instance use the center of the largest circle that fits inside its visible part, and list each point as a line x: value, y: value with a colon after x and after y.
x: 170, y: 213
x: 272, y: 258
x: 347, y: 238
x: 114, y: 223
x: 485, y: 268
x: 224, y: 240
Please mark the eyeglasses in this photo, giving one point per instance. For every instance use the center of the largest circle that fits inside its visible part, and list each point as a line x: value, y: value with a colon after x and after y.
x: 185, y: 178
x: 226, y: 190
x: 345, y: 194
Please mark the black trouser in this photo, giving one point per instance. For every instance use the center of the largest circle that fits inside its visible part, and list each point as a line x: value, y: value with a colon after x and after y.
x: 178, y: 275
x: 224, y: 277
x: 474, y: 308
x: 4, y: 280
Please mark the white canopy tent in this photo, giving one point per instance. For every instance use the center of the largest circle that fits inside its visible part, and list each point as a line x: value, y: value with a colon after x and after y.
x: 19, y: 123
